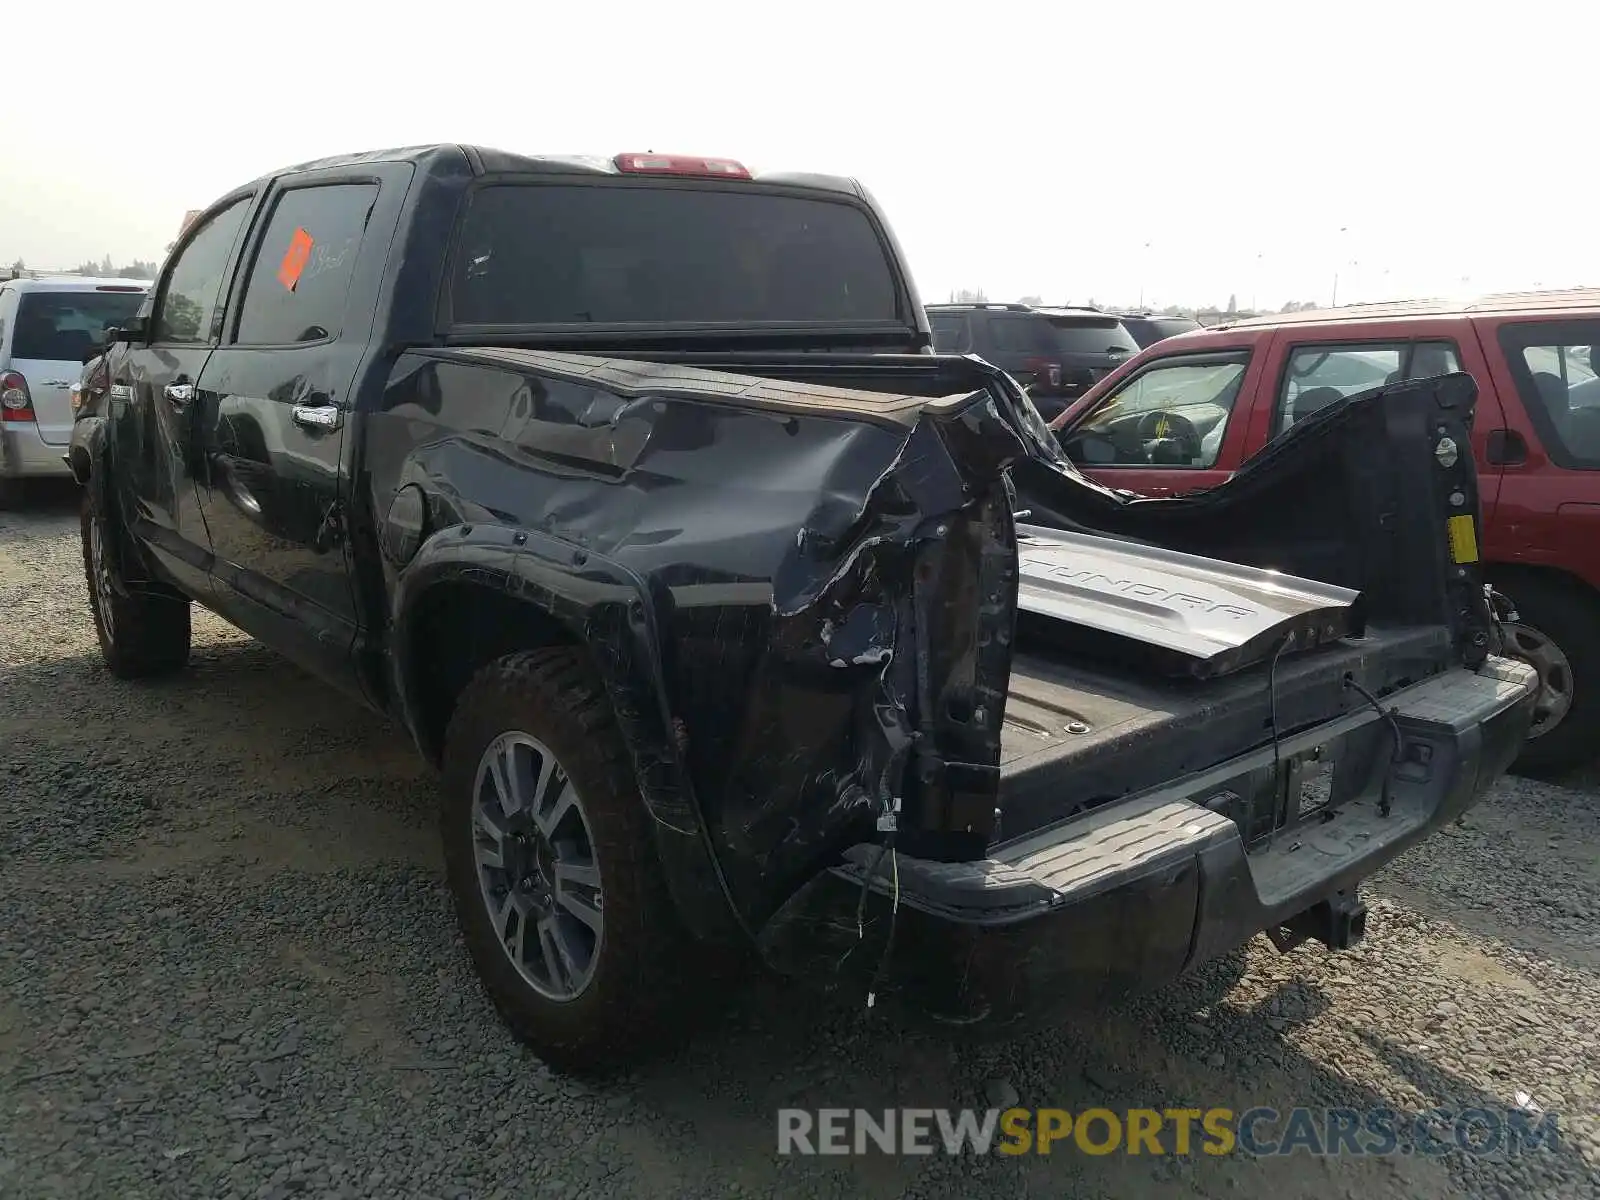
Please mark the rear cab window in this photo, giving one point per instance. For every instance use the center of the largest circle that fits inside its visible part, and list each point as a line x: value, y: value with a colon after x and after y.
x: 1556, y: 368
x: 59, y: 326
x: 1174, y: 412
x: 621, y: 253
x: 1316, y: 375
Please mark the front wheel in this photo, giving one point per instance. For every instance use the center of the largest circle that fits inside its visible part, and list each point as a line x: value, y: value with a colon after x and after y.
x: 1558, y: 633
x: 143, y: 632
x: 551, y: 862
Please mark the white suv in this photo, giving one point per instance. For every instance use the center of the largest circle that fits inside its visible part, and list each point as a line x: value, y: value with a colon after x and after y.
x: 48, y: 327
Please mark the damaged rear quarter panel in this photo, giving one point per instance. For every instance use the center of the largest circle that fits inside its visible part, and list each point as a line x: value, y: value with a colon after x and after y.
x: 749, y: 565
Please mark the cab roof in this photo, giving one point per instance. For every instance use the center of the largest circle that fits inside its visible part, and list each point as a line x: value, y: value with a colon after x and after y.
x: 449, y: 157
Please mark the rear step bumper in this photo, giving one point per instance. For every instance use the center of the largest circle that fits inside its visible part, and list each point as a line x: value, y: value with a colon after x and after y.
x: 1132, y: 894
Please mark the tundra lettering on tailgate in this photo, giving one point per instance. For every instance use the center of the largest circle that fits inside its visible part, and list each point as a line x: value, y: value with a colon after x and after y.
x: 1095, y: 581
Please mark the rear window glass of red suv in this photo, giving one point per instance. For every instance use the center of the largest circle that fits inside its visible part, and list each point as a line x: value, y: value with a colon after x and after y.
x: 621, y: 254
x: 1556, y: 366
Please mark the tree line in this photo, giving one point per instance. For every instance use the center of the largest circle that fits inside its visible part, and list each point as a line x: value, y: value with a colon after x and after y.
x: 1206, y: 314
x: 104, y: 269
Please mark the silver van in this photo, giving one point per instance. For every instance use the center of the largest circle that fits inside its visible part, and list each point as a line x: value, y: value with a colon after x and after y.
x: 47, y: 328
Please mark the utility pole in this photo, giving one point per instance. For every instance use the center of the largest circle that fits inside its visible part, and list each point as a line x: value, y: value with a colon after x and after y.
x: 1338, y: 261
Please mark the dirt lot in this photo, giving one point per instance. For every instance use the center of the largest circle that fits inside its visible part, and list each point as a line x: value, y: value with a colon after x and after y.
x: 229, y: 969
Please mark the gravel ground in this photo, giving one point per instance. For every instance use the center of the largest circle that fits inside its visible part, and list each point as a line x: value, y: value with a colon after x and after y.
x: 229, y: 969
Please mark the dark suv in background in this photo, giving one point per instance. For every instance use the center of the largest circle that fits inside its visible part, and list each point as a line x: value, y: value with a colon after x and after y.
x: 1148, y: 328
x: 1056, y: 353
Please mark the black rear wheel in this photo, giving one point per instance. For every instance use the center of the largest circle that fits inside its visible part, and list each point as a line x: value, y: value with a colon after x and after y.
x: 143, y: 629
x: 552, y: 863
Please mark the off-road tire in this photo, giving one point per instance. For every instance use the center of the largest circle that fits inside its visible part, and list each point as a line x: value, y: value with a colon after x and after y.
x: 144, y: 633
x: 552, y: 695
x: 1572, y: 621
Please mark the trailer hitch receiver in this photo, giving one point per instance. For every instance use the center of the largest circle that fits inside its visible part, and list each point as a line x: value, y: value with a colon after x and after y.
x: 1339, y: 922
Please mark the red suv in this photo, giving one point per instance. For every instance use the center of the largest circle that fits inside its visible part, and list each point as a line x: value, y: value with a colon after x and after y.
x: 1186, y: 412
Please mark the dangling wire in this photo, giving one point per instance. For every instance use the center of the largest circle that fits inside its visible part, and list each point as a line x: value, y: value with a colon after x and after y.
x: 1385, y: 805
x: 894, y: 923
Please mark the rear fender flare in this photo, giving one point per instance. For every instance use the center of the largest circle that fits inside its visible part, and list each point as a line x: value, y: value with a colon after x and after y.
x: 607, y: 611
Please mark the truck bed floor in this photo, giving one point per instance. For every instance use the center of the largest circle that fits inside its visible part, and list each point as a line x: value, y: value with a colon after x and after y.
x: 1100, y: 736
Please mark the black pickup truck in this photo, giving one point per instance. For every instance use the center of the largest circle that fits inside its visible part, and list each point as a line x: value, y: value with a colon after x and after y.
x: 732, y: 614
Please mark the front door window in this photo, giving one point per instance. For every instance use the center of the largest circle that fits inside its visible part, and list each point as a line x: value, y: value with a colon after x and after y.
x: 1174, y: 413
x: 188, y: 310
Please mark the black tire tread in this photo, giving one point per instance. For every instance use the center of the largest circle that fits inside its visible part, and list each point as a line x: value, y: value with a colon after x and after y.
x: 552, y: 694
x: 152, y: 626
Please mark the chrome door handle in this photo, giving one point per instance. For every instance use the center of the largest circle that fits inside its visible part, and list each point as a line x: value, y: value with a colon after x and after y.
x: 178, y: 394
x: 321, y: 417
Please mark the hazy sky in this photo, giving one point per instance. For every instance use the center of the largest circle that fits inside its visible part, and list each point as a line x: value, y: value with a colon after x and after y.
x: 1189, y: 150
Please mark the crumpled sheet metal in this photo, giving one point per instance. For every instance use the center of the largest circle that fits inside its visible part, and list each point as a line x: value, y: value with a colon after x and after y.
x: 740, y: 556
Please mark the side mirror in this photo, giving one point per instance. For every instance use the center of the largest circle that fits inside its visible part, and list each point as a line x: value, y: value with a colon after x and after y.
x: 133, y: 330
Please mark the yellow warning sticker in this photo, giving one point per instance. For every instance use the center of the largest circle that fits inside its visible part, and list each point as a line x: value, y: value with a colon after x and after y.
x: 1463, y: 539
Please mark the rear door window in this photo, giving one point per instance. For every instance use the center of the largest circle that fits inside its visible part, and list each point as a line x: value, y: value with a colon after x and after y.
x: 623, y: 253
x: 1318, y: 375
x: 1556, y: 367
x: 1173, y: 413
x: 61, y: 326
x: 301, y: 275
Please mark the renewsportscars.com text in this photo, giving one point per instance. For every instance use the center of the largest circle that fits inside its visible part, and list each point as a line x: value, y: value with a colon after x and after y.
x: 1255, y: 1132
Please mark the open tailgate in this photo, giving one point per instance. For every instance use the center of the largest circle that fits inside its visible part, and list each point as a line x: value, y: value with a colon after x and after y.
x: 1177, y: 613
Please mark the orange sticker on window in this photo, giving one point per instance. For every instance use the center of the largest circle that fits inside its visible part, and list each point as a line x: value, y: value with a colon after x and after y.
x: 294, y: 259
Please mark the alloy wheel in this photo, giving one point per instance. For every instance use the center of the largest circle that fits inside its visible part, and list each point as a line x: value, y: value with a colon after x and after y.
x: 538, y: 875
x: 100, y: 569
